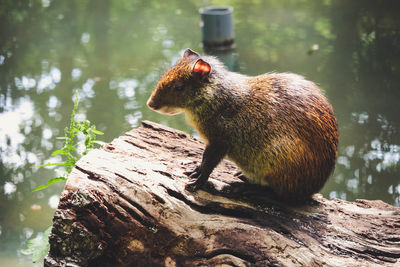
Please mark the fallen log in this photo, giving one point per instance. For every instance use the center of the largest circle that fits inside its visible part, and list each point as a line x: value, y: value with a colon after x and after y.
x: 125, y: 205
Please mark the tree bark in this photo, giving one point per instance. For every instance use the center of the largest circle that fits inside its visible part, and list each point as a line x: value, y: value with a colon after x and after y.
x: 125, y: 205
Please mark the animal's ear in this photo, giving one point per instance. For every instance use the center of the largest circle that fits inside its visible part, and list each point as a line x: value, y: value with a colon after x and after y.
x: 190, y: 54
x: 201, y: 69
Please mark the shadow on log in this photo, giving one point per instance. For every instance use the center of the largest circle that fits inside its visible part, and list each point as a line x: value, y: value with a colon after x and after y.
x: 125, y: 205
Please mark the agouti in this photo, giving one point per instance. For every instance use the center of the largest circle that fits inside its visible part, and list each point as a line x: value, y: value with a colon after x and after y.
x: 277, y: 127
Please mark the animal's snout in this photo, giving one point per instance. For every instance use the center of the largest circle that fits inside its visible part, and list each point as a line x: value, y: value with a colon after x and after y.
x: 152, y: 104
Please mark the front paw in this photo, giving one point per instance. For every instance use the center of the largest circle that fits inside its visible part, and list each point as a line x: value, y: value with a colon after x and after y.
x: 195, y: 184
x: 193, y: 173
x: 197, y: 179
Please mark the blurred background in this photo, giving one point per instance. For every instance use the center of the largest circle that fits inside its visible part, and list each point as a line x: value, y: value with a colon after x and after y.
x: 114, y: 52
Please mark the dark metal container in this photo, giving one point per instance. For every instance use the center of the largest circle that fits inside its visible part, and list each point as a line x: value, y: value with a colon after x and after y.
x: 217, y: 27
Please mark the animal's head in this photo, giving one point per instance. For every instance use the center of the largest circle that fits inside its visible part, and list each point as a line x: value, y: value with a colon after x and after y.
x: 178, y: 87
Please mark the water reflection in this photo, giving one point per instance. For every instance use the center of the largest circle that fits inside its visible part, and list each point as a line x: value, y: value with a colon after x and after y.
x: 114, y: 52
x: 9, y: 188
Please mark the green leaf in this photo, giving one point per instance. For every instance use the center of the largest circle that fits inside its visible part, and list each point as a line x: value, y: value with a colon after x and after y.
x: 43, y: 186
x: 87, y: 141
x: 59, y: 151
x: 74, y: 130
x: 38, y: 246
x: 50, y: 182
x: 70, y: 147
x: 54, y: 164
x: 96, y: 132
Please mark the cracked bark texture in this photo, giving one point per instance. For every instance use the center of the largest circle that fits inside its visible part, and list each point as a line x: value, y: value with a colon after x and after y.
x: 125, y: 205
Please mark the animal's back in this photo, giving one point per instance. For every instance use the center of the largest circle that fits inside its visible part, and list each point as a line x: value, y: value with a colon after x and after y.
x: 287, y: 136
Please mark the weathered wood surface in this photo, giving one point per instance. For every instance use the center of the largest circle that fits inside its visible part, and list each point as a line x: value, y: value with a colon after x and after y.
x: 125, y: 205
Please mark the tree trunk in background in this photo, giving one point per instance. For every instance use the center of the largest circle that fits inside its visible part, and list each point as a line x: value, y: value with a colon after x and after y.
x: 125, y: 205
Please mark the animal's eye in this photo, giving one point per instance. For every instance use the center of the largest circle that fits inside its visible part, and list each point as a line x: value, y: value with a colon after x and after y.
x: 179, y: 87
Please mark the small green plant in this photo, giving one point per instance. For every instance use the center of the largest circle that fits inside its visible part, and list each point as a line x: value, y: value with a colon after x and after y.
x: 39, y: 246
x: 70, y: 146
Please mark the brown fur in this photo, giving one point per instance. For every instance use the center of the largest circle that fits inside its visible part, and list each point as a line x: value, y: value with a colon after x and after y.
x: 277, y: 127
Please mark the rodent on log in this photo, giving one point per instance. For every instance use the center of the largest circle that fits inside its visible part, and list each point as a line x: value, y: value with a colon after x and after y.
x: 277, y: 127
